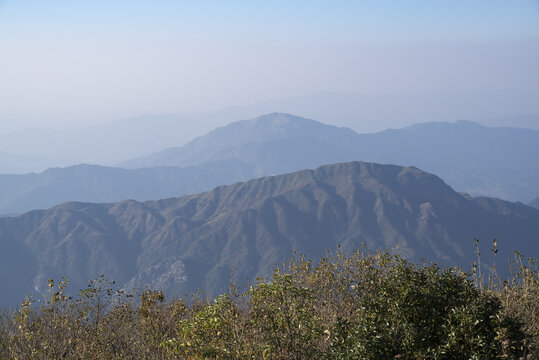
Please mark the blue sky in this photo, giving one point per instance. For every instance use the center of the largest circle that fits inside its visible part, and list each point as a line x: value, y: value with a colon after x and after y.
x: 370, y: 21
x: 70, y: 59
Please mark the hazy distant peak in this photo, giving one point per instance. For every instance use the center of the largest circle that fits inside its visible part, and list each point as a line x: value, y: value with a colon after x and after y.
x: 274, y: 126
x: 469, y: 128
x: 224, y: 142
x: 460, y: 125
x: 278, y: 119
x: 469, y: 123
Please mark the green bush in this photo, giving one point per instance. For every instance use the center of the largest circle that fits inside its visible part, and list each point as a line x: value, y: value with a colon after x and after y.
x: 424, y: 313
x: 215, y: 332
x: 363, y: 306
x: 285, y: 318
x: 519, y: 297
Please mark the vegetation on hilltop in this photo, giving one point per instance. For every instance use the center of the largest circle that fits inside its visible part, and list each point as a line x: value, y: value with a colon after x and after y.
x: 359, y: 307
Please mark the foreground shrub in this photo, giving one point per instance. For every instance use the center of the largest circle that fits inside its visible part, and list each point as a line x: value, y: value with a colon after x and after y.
x: 425, y: 313
x: 376, y: 306
x: 215, y: 332
x: 519, y: 297
x: 285, y: 319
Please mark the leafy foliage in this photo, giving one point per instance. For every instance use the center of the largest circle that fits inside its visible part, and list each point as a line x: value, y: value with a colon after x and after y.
x: 365, y: 306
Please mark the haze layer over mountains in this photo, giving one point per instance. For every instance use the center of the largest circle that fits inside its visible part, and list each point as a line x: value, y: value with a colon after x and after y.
x: 36, y: 149
x: 487, y: 161
x: 497, y: 162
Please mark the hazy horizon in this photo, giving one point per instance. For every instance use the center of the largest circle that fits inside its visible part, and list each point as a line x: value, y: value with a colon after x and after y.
x: 78, y: 63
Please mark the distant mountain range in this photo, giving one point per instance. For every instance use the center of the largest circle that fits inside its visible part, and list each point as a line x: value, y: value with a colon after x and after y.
x: 21, y: 164
x: 115, y: 141
x: 193, y: 242
x: 496, y: 162
x: 93, y: 183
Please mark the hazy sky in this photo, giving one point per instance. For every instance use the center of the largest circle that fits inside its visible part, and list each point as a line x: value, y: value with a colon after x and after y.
x: 74, y: 62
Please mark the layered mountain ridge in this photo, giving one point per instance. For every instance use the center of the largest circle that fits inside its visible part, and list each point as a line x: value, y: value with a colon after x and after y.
x: 470, y: 157
x: 94, y: 183
x: 193, y: 242
x: 482, y: 161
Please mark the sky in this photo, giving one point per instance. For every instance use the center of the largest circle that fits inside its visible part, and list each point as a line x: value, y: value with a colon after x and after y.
x: 69, y: 62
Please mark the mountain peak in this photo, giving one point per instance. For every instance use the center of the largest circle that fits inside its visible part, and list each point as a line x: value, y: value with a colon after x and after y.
x: 278, y: 125
x: 225, y: 142
x: 253, y: 225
